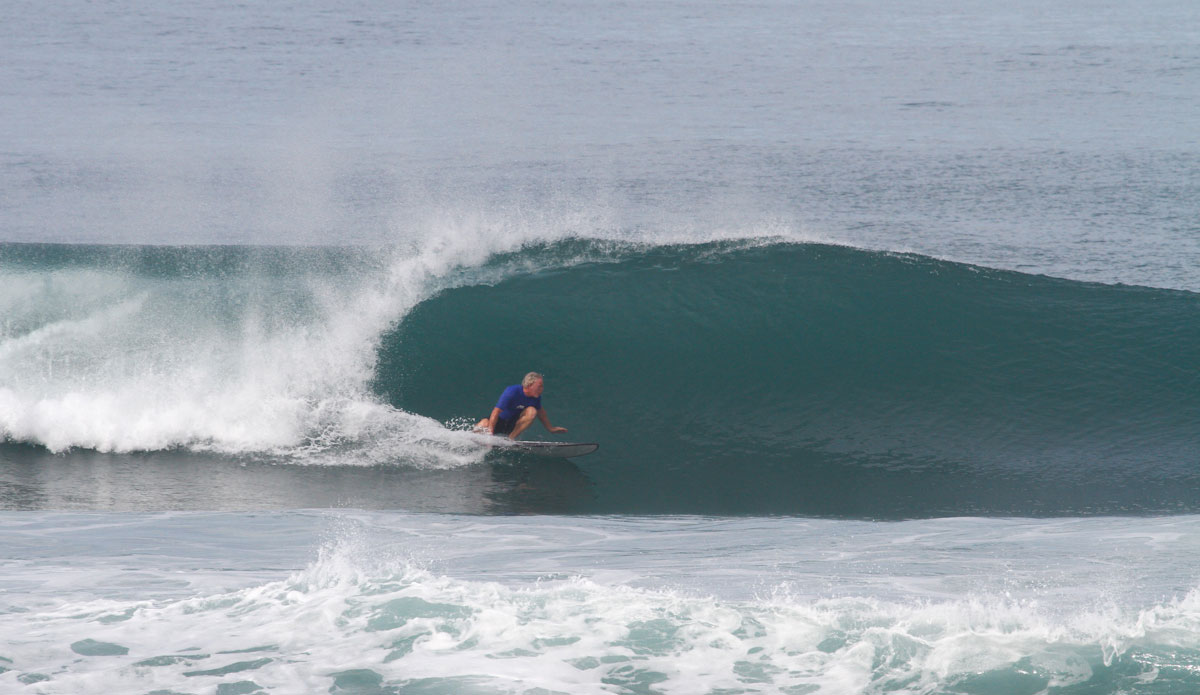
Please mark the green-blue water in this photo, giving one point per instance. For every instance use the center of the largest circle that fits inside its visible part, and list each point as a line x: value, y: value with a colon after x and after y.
x: 812, y: 379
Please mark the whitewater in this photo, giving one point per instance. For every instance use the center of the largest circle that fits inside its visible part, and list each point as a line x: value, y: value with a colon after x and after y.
x: 885, y: 318
x: 414, y: 603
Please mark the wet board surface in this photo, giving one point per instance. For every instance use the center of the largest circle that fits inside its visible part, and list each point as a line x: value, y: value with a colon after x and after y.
x: 553, y: 449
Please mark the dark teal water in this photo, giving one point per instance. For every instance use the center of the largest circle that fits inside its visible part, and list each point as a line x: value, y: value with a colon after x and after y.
x: 812, y: 379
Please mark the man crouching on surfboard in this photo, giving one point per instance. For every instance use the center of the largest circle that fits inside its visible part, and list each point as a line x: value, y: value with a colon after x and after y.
x: 516, y: 409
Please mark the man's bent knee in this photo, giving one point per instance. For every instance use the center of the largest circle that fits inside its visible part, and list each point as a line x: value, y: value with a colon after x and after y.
x: 528, y: 413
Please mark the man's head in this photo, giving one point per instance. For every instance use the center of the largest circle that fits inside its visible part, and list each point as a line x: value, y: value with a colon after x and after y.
x: 532, y: 384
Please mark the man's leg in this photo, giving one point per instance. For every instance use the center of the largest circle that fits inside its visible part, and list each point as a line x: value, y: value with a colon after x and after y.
x: 523, y: 422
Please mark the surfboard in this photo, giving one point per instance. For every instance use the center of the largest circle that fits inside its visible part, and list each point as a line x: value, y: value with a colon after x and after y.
x: 553, y: 449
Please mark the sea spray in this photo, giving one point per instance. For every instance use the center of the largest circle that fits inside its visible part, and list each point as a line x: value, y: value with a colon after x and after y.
x: 233, y: 351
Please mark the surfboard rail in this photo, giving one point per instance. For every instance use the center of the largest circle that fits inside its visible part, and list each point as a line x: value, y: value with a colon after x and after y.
x: 552, y: 449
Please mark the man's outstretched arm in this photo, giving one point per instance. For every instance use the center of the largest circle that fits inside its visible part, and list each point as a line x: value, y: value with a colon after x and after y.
x: 546, y: 422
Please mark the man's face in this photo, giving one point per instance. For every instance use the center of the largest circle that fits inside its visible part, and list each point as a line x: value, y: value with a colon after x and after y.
x: 535, y: 389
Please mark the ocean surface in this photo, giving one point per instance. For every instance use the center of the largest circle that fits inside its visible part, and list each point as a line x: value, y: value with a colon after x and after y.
x: 886, y: 317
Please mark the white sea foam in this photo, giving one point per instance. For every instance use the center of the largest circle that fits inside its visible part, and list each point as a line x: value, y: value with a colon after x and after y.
x: 263, y: 361
x: 360, y: 611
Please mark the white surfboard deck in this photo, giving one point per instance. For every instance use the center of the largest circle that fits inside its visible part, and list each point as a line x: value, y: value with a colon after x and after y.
x: 549, y: 449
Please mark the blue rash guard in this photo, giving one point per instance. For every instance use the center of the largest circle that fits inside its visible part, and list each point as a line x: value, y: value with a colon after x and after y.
x: 511, y: 403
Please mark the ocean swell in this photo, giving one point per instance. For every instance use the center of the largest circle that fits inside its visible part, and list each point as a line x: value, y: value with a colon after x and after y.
x: 757, y: 375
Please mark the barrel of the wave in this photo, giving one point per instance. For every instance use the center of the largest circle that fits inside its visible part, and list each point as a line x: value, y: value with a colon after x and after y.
x: 811, y: 379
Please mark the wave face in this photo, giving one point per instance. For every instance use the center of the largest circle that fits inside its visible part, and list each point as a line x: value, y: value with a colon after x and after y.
x: 755, y: 376
x: 814, y: 379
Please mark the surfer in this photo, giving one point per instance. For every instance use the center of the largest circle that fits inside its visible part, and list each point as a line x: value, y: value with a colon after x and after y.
x: 516, y: 409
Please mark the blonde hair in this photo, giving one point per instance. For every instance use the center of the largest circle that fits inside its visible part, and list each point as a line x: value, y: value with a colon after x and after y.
x: 530, y: 378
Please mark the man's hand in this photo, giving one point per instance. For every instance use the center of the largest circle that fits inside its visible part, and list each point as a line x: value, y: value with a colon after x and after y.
x: 558, y: 430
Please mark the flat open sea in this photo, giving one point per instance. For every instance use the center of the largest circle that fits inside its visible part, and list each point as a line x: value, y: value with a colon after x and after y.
x: 886, y: 317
